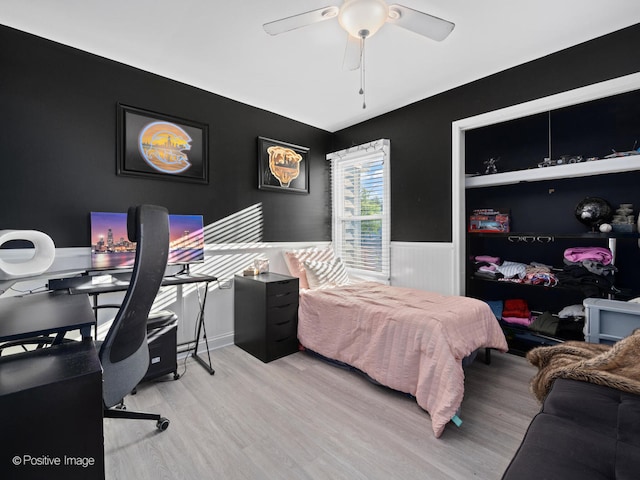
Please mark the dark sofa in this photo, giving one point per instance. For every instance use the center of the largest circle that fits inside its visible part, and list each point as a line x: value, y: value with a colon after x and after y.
x: 584, y: 431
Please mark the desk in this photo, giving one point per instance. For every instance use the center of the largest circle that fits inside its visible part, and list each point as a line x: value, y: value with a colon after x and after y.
x: 50, y: 398
x: 119, y: 282
x: 51, y: 403
x: 43, y: 314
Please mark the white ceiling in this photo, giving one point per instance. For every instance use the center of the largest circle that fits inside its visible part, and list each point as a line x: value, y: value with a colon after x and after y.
x: 221, y: 47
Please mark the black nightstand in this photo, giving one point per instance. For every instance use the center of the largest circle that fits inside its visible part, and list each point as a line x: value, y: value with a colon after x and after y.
x: 266, y: 315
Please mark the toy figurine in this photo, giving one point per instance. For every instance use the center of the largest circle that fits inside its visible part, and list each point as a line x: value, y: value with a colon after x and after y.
x: 491, y: 166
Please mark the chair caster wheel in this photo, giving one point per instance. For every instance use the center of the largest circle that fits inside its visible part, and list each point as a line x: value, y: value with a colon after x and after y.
x: 162, y: 424
x: 176, y: 375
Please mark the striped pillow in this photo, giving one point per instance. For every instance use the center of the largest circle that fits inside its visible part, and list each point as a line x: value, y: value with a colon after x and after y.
x: 295, y: 261
x: 326, y: 274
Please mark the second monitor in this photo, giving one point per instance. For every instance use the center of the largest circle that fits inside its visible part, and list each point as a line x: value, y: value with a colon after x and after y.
x: 111, y: 248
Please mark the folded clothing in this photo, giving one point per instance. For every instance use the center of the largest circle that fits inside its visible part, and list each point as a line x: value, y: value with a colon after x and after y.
x: 516, y: 307
x: 496, y: 307
x: 599, y: 268
x: 488, y: 268
x: 590, y: 284
x: 535, y: 267
x: 517, y: 320
x: 488, y: 274
x: 545, y: 323
x: 512, y: 269
x: 541, y: 278
x: 487, y: 259
x: 579, y: 254
x: 572, y: 311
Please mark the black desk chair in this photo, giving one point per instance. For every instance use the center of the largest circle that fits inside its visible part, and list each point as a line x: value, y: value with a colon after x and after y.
x: 124, y: 353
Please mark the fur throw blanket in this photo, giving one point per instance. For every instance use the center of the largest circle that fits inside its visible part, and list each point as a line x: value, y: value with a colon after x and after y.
x: 616, y: 366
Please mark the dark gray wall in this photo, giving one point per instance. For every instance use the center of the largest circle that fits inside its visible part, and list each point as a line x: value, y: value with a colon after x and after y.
x: 58, y: 155
x: 58, y: 136
x: 420, y: 133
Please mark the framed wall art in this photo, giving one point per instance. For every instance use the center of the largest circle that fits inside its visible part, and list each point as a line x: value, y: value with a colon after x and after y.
x: 282, y: 167
x: 160, y: 146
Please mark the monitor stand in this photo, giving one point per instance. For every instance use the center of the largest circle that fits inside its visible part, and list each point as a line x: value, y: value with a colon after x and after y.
x: 184, y: 270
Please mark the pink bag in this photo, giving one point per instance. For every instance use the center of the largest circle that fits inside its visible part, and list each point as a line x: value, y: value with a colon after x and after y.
x: 579, y: 254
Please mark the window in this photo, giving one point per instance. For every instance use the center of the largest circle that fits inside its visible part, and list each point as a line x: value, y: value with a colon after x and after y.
x: 361, y: 205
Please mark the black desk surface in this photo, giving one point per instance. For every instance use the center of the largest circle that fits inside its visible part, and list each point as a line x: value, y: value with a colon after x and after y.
x: 47, y: 365
x: 120, y: 282
x: 42, y: 314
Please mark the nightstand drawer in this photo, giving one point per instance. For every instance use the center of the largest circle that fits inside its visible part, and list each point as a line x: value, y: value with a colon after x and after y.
x: 282, y: 313
x: 282, y: 286
x: 283, y: 329
x: 282, y: 298
x: 282, y: 347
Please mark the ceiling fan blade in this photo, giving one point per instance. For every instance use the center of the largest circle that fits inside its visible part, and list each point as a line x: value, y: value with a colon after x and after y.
x: 301, y: 20
x: 421, y: 23
x: 352, y: 54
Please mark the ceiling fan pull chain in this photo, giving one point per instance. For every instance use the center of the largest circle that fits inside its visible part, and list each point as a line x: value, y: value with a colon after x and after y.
x: 362, y: 56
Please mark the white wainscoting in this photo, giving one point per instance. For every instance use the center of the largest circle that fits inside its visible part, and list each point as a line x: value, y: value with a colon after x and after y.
x: 221, y: 260
x: 424, y: 266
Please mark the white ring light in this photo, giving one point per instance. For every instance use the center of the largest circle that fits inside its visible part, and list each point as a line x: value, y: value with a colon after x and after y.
x: 45, y: 252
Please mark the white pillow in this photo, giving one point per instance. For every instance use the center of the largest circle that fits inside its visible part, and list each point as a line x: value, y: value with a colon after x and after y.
x: 295, y: 261
x: 326, y: 274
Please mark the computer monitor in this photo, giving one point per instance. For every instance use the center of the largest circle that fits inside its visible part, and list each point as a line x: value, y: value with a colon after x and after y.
x: 111, y: 248
x: 186, y: 239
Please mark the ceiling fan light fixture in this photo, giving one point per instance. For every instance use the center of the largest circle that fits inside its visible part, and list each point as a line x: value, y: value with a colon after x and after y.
x: 363, y: 18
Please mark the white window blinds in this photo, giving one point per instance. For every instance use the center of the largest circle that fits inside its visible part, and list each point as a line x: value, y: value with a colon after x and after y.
x: 361, y: 205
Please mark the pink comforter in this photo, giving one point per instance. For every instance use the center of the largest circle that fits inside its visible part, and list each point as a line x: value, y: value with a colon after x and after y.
x: 410, y: 340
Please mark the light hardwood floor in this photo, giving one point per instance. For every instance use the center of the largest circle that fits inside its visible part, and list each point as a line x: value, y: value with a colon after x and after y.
x: 301, y: 418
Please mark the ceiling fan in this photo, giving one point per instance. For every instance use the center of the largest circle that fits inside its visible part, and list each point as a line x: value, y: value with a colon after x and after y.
x: 361, y: 19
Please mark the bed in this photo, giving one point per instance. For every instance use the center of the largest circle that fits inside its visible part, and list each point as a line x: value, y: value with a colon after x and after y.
x: 409, y: 340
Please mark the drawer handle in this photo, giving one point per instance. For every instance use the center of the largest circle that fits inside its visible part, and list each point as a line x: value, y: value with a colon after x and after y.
x: 284, y: 306
x: 283, y: 339
x: 282, y: 294
x: 283, y: 323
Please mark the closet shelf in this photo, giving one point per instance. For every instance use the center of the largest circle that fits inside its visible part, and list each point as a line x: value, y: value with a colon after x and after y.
x: 543, y: 236
x: 584, y: 169
x: 558, y: 287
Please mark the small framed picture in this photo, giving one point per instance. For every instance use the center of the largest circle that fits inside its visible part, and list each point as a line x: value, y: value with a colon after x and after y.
x: 282, y: 167
x: 160, y: 146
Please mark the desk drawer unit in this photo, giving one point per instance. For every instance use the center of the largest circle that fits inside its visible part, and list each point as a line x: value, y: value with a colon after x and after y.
x: 266, y: 315
x: 51, y: 404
